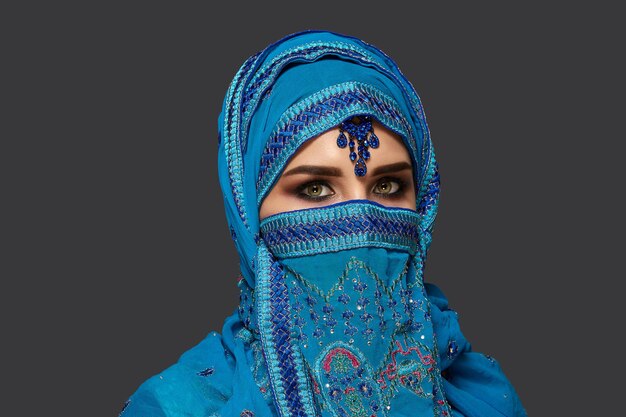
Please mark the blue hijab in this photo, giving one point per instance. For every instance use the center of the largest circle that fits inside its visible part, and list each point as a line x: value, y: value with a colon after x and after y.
x: 275, y: 356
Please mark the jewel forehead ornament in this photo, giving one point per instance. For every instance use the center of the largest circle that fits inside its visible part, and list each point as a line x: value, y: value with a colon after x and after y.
x: 360, y: 135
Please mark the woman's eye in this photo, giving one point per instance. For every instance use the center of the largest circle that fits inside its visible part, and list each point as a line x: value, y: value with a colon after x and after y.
x: 316, y: 190
x: 387, y: 186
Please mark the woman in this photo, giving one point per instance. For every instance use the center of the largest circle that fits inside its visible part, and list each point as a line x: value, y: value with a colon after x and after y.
x: 331, y: 188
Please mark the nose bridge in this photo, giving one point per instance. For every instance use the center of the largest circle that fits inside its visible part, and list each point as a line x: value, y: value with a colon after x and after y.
x: 356, y: 189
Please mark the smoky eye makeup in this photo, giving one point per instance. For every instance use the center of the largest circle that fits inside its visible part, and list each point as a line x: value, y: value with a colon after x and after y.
x: 390, y: 187
x: 316, y: 190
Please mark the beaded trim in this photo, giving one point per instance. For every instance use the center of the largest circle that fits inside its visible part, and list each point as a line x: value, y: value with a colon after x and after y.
x: 345, y: 225
x: 285, y: 364
x: 428, y: 200
x: 232, y: 146
x: 320, y: 112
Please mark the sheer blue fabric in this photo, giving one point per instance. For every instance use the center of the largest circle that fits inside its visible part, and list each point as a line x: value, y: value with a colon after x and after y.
x: 335, y: 318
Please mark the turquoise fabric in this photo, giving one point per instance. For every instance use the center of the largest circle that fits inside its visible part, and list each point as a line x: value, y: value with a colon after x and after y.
x: 361, y: 322
x: 335, y: 318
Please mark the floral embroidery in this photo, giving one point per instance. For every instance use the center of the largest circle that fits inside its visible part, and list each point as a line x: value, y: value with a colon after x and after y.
x: 362, y: 304
x: 409, y: 373
x: 346, y: 382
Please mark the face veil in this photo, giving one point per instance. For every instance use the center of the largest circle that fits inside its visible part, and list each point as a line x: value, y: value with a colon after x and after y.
x: 335, y: 318
x: 347, y: 280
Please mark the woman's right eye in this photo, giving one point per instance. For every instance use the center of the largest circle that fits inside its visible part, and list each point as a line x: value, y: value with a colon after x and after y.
x: 315, y: 191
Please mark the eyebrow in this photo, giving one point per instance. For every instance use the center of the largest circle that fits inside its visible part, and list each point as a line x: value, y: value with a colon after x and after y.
x: 395, y: 167
x: 336, y: 172
x: 314, y: 170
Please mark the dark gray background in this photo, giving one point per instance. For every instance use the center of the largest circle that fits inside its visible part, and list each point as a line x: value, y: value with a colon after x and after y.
x: 115, y: 244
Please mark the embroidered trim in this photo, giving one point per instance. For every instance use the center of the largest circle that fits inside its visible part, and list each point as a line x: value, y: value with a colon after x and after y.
x: 320, y: 112
x: 351, y: 224
x: 354, y: 264
x: 428, y: 200
x: 232, y: 146
x: 285, y: 364
x: 246, y: 307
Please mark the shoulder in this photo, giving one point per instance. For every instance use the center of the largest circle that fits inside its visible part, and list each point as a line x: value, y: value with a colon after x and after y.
x: 199, y: 383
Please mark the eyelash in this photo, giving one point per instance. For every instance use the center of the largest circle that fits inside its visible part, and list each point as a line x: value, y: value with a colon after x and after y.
x: 398, y: 194
x: 401, y: 188
x: 303, y: 195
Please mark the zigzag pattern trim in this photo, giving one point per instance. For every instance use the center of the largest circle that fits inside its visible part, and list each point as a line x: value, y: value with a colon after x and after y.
x: 341, y: 226
x: 285, y: 365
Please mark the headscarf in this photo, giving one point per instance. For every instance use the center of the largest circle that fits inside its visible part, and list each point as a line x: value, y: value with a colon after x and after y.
x: 260, y: 365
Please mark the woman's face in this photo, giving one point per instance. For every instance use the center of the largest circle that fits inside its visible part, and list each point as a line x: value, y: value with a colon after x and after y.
x: 321, y: 173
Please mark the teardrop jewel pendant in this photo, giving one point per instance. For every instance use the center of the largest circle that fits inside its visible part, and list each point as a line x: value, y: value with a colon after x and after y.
x: 358, y: 128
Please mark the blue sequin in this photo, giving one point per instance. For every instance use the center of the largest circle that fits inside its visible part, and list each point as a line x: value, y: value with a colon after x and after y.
x: 452, y: 349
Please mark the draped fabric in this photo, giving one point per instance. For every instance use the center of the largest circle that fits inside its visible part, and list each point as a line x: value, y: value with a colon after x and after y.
x: 335, y: 318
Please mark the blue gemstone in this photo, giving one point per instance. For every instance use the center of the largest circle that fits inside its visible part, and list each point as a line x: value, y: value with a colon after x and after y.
x: 374, y: 141
x: 351, y: 144
x: 366, y: 155
x: 352, y: 156
x: 342, y: 141
x: 360, y: 169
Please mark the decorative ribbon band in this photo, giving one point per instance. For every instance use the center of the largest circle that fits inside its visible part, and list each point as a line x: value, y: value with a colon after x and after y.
x: 346, y: 225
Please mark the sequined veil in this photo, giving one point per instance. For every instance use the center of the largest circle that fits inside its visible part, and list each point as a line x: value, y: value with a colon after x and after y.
x: 335, y: 318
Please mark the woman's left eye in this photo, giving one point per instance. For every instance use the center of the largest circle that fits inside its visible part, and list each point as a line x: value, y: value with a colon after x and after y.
x: 387, y: 186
